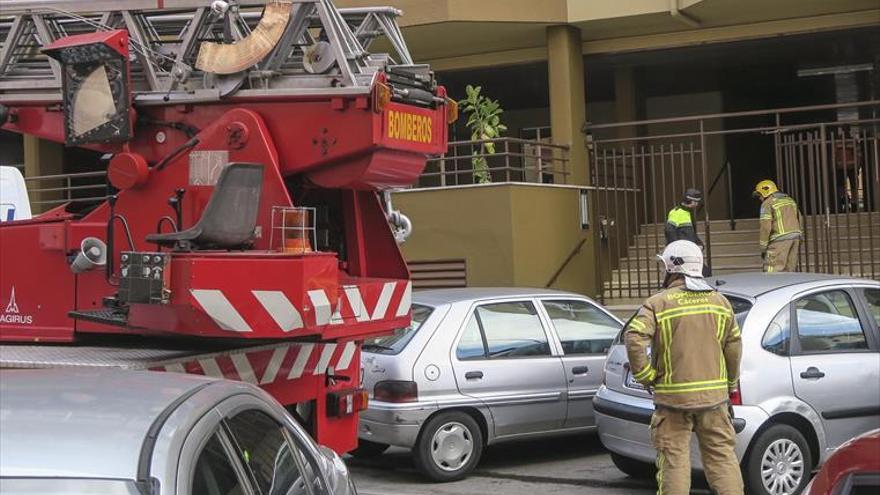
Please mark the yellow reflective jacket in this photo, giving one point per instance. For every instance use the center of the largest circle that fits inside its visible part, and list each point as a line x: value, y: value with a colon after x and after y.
x: 780, y: 219
x: 696, y: 347
x: 680, y: 226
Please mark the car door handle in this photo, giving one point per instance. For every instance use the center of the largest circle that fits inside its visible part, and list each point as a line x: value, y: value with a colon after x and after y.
x: 473, y: 375
x: 580, y: 370
x: 812, y: 372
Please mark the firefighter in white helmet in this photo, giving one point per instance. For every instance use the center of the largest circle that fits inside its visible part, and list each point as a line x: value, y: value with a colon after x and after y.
x: 693, y: 367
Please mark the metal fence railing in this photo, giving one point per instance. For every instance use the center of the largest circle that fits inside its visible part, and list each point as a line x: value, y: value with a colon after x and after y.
x: 49, y: 190
x: 513, y: 160
x: 830, y: 167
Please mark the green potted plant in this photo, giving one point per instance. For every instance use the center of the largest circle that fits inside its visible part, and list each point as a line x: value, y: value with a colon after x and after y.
x: 484, y: 122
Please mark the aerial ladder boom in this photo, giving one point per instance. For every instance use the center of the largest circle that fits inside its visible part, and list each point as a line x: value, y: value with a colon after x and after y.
x: 166, y: 43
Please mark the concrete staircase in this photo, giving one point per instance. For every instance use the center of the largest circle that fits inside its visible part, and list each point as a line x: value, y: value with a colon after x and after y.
x: 854, y: 246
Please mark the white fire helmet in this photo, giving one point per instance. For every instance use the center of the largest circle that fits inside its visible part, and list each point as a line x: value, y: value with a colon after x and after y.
x: 683, y: 257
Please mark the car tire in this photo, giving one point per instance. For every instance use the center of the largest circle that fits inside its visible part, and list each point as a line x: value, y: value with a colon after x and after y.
x: 633, y: 468
x: 367, y: 449
x: 449, y: 446
x: 784, y: 449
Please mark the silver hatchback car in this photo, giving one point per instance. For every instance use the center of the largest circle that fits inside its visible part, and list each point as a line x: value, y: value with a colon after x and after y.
x: 809, y: 381
x: 479, y: 366
x: 115, y: 432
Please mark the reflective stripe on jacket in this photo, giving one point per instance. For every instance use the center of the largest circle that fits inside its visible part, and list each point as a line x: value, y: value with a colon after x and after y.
x: 780, y: 219
x: 696, y: 347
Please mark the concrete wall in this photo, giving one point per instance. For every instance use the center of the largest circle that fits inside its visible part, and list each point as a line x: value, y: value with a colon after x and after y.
x: 546, y: 230
x: 509, y: 234
x: 469, y: 223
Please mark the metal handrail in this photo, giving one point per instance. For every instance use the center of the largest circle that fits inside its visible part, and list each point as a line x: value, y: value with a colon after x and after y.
x: 491, y: 169
x: 99, y: 173
x: 725, y: 168
x: 66, y: 189
x: 509, y: 140
x: 510, y: 151
x: 746, y: 113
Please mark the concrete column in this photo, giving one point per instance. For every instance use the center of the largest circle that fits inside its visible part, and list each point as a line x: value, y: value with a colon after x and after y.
x: 43, y: 157
x: 568, y: 113
x: 565, y: 62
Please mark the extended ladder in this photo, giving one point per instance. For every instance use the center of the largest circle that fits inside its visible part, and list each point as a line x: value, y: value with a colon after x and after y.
x: 321, y: 48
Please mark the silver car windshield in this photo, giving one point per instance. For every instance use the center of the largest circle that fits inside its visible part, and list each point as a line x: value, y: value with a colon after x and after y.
x: 64, y: 486
x: 394, y: 343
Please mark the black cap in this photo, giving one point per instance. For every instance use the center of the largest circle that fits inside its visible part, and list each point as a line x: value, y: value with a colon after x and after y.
x: 692, y: 195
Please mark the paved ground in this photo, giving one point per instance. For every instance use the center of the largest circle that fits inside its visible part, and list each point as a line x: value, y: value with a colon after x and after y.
x: 571, y: 465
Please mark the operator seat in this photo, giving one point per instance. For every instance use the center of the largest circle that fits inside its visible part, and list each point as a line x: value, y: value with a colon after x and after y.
x: 229, y: 219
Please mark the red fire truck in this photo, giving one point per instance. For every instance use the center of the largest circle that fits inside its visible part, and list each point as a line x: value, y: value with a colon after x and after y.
x: 243, y: 234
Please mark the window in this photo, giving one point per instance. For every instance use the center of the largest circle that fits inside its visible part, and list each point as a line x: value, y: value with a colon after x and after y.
x: 471, y: 344
x: 582, y: 327
x: 741, y: 308
x: 513, y: 330
x: 397, y: 341
x: 777, y: 337
x: 858, y: 484
x: 214, y: 474
x: 265, y: 452
x: 503, y: 330
x: 828, y: 321
x: 872, y: 296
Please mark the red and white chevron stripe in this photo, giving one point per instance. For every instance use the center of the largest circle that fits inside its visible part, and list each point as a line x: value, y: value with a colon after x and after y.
x: 267, y: 364
x: 355, y: 304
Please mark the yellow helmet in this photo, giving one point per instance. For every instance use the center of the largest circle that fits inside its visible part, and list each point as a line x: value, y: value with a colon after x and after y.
x: 765, y: 188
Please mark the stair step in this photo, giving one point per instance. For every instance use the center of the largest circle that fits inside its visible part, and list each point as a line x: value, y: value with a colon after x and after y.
x: 854, y: 219
x: 753, y: 257
x: 842, y: 243
x: 652, y: 280
x: 622, y: 311
x: 751, y: 238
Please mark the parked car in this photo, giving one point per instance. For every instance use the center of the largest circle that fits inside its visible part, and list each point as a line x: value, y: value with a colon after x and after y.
x: 480, y: 366
x: 95, y: 432
x: 853, y: 469
x: 808, y: 382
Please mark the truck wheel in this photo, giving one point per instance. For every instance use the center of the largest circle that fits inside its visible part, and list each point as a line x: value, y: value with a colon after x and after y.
x: 449, y: 446
x: 367, y: 449
x: 779, y: 462
x: 632, y: 467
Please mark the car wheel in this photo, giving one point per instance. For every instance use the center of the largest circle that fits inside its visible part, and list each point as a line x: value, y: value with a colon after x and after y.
x: 632, y: 467
x: 367, y: 449
x: 449, y: 446
x: 779, y: 462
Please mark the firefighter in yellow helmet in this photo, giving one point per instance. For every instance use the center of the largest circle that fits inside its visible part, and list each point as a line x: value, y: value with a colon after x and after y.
x: 693, y: 368
x: 781, y: 233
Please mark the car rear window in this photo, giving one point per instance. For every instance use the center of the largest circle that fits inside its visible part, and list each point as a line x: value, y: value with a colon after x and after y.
x: 741, y: 308
x: 397, y: 341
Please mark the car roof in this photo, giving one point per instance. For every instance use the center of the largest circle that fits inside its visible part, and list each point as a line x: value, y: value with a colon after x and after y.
x: 754, y: 284
x: 436, y: 297
x: 84, y: 423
